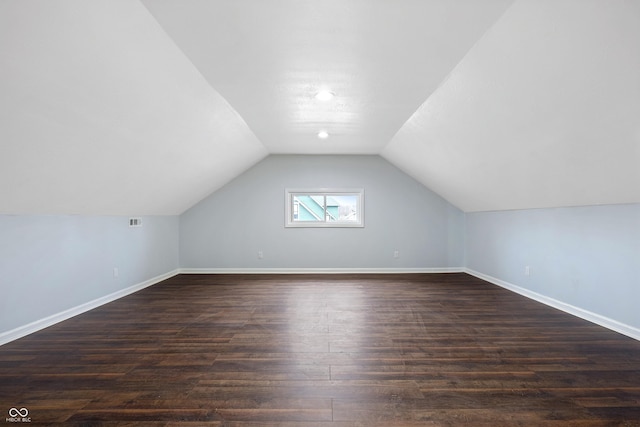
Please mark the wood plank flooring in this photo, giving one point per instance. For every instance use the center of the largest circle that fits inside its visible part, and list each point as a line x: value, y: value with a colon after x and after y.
x: 324, y: 350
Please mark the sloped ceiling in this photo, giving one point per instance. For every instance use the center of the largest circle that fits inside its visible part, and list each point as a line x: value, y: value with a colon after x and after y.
x: 544, y: 111
x: 381, y: 58
x: 128, y: 107
x: 100, y: 113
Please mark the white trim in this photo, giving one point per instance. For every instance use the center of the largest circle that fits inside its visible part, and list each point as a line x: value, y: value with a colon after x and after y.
x: 22, y: 331
x: 598, y: 319
x: 290, y: 193
x: 319, y: 270
x: 37, y: 325
x: 32, y: 327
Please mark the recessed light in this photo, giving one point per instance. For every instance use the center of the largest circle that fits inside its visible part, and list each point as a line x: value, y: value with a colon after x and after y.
x: 325, y: 95
x: 323, y: 134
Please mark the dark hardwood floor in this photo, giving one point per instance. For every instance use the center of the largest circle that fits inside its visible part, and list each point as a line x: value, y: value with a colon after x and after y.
x: 324, y: 350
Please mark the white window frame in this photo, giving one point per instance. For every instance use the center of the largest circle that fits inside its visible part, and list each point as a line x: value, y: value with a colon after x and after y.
x: 290, y: 193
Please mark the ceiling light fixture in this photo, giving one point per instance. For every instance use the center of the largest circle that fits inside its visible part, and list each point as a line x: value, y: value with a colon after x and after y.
x: 323, y: 134
x: 325, y: 95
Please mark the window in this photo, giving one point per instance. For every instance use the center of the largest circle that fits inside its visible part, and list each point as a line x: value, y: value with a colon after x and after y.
x: 324, y: 207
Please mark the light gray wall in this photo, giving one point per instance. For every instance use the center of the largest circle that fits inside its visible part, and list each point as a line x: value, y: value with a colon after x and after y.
x: 585, y: 256
x: 227, y: 229
x: 588, y: 257
x: 49, y: 264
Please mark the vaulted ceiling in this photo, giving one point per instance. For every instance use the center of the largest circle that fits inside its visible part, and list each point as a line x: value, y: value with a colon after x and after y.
x: 145, y: 107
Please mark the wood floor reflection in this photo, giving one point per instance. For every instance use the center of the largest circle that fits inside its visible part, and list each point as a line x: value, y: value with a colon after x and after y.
x: 324, y: 350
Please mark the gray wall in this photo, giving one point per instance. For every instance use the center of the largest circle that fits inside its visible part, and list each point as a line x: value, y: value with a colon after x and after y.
x: 588, y: 257
x: 227, y: 229
x: 49, y: 264
x: 585, y: 256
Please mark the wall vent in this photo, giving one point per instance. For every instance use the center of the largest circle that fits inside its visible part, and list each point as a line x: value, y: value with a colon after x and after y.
x: 135, y: 222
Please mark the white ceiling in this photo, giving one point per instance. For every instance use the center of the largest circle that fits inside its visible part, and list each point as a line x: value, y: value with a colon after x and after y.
x: 101, y: 113
x: 544, y: 111
x: 381, y: 58
x: 128, y: 107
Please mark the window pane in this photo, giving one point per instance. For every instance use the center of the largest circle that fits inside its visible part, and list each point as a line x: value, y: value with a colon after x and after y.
x: 309, y: 208
x: 343, y: 208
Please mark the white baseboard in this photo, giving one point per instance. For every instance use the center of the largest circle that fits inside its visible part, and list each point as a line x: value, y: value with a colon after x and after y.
x: 319, y: 270
x: 40, y: 324
x: 598, y: 319
x: 32, y: 327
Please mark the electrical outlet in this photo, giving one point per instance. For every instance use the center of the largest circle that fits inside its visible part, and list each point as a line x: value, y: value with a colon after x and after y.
x: 116, y: 272
x: 527, y: 270
x: 396, y: 254
x: 260, y: 255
